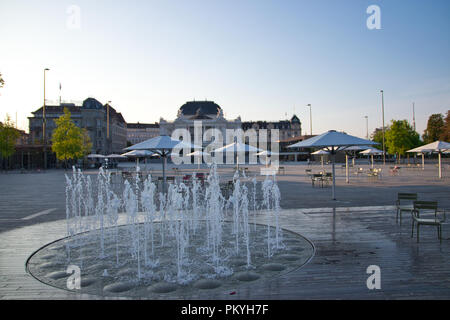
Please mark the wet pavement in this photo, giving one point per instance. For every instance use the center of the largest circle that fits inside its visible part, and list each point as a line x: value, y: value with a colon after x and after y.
x: 350, y: 234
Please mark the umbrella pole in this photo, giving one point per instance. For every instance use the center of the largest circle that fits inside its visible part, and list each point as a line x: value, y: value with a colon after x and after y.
x: 334, y: 179
x: 440, y: 168
x: 423, y: 161
x: 164, y: 173
x: 372, y: 160
x: 346, y: 168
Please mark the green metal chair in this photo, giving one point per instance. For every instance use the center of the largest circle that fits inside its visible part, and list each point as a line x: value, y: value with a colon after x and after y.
x: 405, y: 202
x: 430, y: 207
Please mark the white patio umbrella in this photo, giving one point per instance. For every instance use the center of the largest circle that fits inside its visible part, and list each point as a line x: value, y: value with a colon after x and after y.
x: 372, y: 152
x: 437, y: 146
x: 162, y: 145
x: 266, y: 154
x: 353, y: 150
x: 138, y: 154
x: 95, y: 156
x: 198, y: 154
x: 332, y: 141
x: 321, y: 152
x: 115, y: 156
x: 238, y: 147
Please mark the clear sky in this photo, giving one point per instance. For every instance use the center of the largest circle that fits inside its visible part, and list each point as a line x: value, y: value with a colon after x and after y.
x: 257, y: 59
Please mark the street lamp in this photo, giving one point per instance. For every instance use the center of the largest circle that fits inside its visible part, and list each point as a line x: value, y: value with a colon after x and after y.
x: 107, y: 119
x: 382, y: 110
x: 44, y: 125
x: 107, y: 127
x: 310, y: 116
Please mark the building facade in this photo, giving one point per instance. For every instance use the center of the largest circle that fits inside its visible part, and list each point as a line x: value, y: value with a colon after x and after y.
x: 208, y: 112
x: 106, y: 127
x: 138, y: 132
x: 286, y: 128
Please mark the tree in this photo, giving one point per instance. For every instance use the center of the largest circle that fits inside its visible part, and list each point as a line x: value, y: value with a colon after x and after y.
x: 2, y: 82
x: 445, y: 135
x: 435, y: 127
x: 8, y: 137
x: 401, y: 137
x: 377, y: 135
x: 68, y: 141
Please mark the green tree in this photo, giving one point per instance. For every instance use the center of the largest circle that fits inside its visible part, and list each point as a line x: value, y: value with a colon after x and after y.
x: 435, y: 127
x: 377, y: 135
x: 2, y: 82
x: 8, y: 137
x: 68, y: 141
x: 445, y: 135
x: 401, y: 137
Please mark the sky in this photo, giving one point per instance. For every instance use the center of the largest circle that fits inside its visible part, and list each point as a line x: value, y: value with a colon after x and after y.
x: 257, y: 59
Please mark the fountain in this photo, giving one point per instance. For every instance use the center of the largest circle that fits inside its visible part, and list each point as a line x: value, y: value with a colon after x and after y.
x: 130, y: 240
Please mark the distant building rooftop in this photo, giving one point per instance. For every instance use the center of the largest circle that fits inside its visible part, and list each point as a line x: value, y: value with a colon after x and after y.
x: 142, y: 125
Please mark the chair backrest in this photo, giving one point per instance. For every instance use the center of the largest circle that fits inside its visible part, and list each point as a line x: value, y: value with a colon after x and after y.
x: 407, y: 196
x: 426, y: 205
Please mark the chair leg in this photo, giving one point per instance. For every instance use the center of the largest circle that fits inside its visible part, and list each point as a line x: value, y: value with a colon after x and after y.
x: 418, y: 226
x: 412, y: 228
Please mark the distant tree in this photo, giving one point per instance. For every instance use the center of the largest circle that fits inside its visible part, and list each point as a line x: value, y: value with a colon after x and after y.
x: 69, y: 142
x: 2, y: 82
x: 401, y: 137
x: 435, y: 127
x: 445, y: 135
x: 8, y: 137
x: 377, y: 135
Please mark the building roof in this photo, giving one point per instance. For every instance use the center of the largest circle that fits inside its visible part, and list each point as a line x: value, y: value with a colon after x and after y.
x: 142, y: 125
x: 59, y: 108
x: 200, y: 108
x: 295, y: 119
x: 89, y: 103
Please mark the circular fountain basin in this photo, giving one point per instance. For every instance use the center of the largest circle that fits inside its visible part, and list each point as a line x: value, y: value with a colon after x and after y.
x: 114, y: 270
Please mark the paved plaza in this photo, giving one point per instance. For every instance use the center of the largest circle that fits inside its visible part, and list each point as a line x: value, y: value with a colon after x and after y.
x: 349, y: 234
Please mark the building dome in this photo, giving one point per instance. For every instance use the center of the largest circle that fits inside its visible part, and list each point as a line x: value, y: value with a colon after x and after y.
x: 91, y: 103
x: 199, y: 109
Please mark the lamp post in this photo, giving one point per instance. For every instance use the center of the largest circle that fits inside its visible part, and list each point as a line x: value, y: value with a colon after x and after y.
x: 310, y: 116
x: 44, y: 125
x: 107, y: 127
x: 367, y: 127
x: 382, y: 111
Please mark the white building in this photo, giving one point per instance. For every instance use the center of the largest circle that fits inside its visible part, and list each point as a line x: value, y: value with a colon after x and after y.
x: 138, y: 132
x: 208, y: 112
